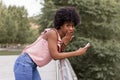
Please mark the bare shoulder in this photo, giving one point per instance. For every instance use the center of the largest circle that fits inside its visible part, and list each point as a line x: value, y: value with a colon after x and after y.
x: 52, y: 34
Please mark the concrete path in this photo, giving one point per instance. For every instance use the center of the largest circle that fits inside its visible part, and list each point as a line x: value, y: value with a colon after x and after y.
x: 47, y: 72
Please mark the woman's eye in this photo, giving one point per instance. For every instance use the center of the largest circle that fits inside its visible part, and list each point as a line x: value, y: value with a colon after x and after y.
x: 68, y: 25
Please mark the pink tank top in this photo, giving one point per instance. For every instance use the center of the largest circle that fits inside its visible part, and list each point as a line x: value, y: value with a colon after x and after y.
x: 39, y: 51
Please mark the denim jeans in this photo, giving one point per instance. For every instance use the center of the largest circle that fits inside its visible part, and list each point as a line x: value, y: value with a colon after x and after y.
x: 25, y: 68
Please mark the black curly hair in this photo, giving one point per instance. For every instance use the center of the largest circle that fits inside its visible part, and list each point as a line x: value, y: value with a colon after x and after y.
x: 66, y: 14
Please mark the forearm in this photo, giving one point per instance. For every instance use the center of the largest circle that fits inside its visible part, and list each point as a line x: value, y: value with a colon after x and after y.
x: 65, y: 42
x: 63, y: 46
x: 64, y: 55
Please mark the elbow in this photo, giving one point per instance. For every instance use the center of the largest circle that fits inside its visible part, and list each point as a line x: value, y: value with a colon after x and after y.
x: 56, y: 56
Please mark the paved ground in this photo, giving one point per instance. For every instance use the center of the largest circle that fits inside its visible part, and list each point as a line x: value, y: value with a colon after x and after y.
x: 6, y: 69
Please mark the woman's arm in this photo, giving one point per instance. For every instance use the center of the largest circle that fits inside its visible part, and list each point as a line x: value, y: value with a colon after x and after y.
x: 66, y: 40
x: 52, y: 45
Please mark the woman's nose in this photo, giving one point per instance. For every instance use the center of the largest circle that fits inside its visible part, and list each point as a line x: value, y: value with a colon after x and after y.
x: 71, y: 28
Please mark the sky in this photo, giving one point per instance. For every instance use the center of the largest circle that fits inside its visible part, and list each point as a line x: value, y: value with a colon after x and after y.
x: 33, y: 6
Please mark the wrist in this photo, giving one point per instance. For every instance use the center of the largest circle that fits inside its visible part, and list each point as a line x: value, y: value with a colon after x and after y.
x: 64, y: 44
x: 77, y: 53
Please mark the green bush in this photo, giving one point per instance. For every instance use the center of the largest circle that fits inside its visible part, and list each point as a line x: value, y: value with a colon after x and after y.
x: 101, y: 62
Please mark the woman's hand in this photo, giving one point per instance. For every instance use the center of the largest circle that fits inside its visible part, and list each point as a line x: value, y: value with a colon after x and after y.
x: 83, y: 50
x: 67, y: 38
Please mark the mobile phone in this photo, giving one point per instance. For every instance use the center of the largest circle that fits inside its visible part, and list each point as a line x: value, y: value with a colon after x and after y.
x: 87, y: 45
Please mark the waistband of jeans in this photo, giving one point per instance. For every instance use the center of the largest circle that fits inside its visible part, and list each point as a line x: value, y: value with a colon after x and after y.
x: 26, y: 54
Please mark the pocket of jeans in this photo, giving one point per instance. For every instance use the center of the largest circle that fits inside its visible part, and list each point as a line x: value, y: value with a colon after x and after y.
x: 27, y: 70
x: 22, y: 69
x: 19, y: 67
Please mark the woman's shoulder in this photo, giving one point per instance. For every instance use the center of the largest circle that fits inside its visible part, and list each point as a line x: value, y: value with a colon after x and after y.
x: 51, y: 32
x: 54, y: 33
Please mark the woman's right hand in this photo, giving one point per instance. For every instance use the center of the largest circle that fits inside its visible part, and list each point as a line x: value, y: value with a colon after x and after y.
x: 82, y: 51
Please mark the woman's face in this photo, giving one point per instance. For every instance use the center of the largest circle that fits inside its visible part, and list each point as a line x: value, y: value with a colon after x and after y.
x: 68, y: 27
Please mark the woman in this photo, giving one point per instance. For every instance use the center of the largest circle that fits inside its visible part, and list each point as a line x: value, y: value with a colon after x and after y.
x: 49, y: 45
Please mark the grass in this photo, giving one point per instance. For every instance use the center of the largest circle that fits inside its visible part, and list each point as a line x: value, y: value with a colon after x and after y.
x: 10, y: 52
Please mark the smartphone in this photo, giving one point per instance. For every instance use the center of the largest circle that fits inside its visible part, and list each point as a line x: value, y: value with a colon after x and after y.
x: 87, y: 45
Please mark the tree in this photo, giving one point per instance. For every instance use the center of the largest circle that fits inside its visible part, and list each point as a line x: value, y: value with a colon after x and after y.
x: 15, y: 26
x: 2, y: 20
x: 46, y: 19
x: 99, y: 26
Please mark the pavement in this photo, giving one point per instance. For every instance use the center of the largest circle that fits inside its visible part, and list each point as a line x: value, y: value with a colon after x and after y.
x: 47, y: 72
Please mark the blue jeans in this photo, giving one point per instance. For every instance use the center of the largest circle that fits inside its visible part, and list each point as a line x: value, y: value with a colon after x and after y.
x: 25, y: 68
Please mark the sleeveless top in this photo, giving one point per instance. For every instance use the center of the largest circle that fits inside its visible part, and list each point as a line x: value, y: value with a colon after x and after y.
x: 39, y: 51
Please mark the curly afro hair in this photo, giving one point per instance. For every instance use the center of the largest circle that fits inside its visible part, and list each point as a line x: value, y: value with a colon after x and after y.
x: 66, y: 14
